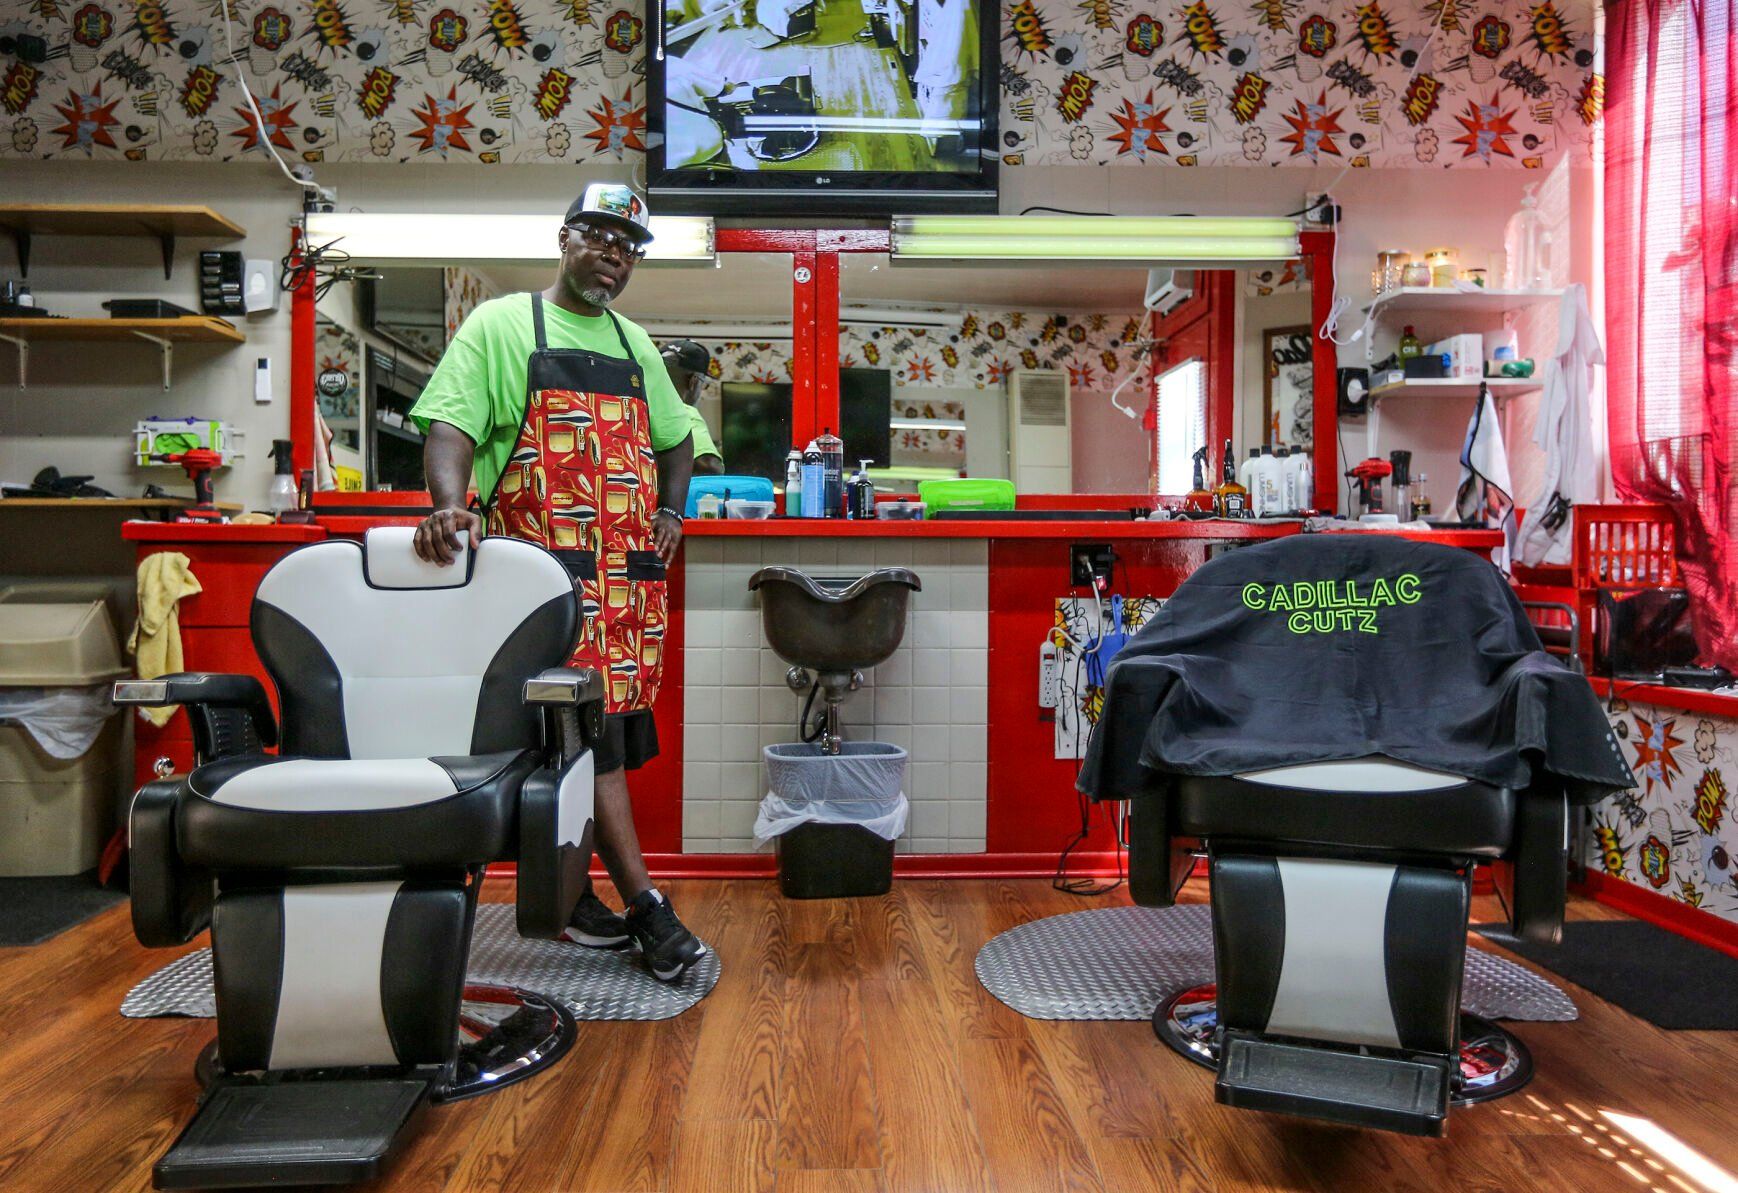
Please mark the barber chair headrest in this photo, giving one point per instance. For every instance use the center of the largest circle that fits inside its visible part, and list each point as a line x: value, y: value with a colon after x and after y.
x: 391, y: 561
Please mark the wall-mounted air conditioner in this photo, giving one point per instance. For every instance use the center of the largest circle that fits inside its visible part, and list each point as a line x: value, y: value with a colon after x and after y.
x: 1039, y: 449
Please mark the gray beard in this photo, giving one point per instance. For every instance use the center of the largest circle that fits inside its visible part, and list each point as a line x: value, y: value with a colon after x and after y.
x: 597, y: 296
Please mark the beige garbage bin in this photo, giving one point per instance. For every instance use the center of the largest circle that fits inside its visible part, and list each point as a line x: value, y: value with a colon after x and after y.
x: 56, y: 814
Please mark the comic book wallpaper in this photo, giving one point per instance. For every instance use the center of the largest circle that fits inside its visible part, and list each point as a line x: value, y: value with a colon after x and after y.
x: 1507, y: 83
x: 1673, y: 833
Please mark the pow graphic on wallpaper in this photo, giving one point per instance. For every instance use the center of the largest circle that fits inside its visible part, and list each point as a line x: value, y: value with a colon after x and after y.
x: 1087, y: 637
x: 1672, y: 834
x: 1505, y: 83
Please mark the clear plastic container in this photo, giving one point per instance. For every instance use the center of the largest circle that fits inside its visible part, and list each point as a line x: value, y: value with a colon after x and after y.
x: 899, y: 511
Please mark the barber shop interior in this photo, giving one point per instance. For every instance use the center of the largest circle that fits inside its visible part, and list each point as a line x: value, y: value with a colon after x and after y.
x: 891, y: 596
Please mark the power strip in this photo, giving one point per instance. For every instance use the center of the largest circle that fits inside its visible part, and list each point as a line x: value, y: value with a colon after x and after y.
x: 1049, y: 675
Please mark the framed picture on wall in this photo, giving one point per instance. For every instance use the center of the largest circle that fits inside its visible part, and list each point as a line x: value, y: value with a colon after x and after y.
x: 1287, y: 387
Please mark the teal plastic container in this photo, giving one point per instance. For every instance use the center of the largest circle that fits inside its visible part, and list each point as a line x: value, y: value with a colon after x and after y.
x: 742, y: 488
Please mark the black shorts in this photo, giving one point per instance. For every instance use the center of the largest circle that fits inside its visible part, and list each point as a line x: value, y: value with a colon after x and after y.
x: 630, y: 739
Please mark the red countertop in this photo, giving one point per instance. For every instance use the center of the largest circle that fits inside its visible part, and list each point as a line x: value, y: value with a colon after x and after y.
x: 1018, y: 529
x: 219, y: 532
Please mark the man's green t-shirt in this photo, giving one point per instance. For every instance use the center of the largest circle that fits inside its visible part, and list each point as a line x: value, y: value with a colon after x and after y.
x: 703, y: 444
x: 479, y: 385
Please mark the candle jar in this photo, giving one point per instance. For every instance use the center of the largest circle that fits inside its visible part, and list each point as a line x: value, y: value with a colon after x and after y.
x: 1415, y: 274
x: 1444, y: 266
x: 1389, y: 271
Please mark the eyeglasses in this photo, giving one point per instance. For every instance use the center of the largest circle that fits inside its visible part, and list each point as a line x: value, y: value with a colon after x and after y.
x: 602, y: 239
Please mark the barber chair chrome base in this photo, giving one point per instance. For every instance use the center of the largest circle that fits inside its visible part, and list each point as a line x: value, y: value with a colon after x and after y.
x: 833, y: 628
x: 1493, y: 1061
x: 1340, y: 896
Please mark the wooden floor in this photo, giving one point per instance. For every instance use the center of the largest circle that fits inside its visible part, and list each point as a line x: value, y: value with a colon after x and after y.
x: 848, y: 1046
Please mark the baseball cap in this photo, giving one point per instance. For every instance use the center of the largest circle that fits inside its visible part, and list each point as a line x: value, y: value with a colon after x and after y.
x: 615, y: 205
x: 687, y: 355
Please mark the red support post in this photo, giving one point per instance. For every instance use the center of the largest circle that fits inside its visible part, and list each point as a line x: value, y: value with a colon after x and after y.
x: 301, y: 364
x: 1318, y: 250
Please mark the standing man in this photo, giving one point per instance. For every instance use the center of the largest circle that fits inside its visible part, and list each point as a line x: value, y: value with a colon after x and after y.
x: 566, y: 415
x: 687, y: 363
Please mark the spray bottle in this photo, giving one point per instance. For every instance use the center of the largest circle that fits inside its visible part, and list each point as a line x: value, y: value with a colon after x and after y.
x: 283, y: 496
x: 794, y: 484
x: 1199, y: 499
x: 814, y: 482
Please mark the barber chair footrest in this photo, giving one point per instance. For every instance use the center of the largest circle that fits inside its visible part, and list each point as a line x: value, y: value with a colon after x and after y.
x: 1392, y: 1093
x: 314, y: 1132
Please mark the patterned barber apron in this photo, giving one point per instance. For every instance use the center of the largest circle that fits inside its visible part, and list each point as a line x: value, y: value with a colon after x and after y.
x: 583, y: 482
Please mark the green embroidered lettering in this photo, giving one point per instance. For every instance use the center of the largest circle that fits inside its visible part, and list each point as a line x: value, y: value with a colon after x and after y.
x: 1324, y: 621
x: 1298, y: 623
x: 1254, y: 596
x: 1380, y: 594
x: 1407, y: 588
x: 1279, y: 599
x: 1367, y: 622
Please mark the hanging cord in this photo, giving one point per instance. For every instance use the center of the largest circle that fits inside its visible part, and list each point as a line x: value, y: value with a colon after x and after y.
x: 1340, y: 304
x: 265, y: 139
x: 820, y: 726
x: 329, y: 265
x: 1086, y: 887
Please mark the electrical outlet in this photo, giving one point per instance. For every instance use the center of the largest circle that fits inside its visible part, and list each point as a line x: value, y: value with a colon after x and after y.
x: 1090, y: 562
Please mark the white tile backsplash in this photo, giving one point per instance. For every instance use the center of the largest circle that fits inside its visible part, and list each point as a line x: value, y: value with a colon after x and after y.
x: 929, y: 697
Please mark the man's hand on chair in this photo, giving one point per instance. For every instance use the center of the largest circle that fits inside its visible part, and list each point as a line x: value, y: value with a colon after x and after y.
x: 445, y: 532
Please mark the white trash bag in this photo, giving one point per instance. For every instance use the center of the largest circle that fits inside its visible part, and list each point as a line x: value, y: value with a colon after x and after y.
x: 862, y: 785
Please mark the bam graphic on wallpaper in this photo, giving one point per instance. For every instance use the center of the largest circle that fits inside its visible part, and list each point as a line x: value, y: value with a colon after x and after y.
x: 1673, y: 833
x: 1504, y: 83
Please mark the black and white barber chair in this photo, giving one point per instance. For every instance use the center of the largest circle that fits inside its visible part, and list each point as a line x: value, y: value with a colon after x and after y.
x: 429, y: 728
x: 1340, y: 895
x: 1297, y: 712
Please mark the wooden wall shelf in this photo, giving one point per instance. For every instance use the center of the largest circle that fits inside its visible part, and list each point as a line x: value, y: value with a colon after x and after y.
x: 160, y: 221
x: 164, y: 333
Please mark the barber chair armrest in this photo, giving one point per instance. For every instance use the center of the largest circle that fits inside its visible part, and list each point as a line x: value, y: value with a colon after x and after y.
x: 171, y: 900
x: 1533, y: 876
x: 555, y: 841
x: 229, y: 714
x: 1159, y: 863
x: 572, y: 702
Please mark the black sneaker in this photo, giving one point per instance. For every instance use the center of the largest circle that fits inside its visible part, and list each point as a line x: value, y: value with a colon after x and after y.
x: 595, y: 926
x: 668, y: 947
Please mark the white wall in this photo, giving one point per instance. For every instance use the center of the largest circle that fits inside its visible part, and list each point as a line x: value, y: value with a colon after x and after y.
x: 84, y: 399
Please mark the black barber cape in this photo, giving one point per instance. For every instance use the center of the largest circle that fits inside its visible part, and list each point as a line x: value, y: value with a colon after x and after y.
x: 1332, y: 646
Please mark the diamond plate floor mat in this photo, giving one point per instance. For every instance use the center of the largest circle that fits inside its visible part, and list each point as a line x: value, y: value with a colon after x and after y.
x: 594, y: 983
x: 1119, y: 962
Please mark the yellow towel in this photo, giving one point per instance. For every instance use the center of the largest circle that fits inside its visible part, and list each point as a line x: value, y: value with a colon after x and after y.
x: 164, y: 578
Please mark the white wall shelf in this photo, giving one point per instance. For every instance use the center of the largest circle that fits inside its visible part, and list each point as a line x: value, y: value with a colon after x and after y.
x: 1418, y: 300
x: 1452, y: 387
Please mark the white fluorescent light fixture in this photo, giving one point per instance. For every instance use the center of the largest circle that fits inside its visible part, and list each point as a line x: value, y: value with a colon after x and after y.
x: 895, y: 314
x: 728, y: 332
x: 926, y: 424
x: 1112, y: 239
x: 379, y: 237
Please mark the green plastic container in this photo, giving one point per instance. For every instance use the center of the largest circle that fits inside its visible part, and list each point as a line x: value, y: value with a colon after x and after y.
x: 965, y: 493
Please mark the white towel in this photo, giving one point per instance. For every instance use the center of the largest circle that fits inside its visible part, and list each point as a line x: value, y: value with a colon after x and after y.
x: 1564, y: 432
x: 1485, y: 487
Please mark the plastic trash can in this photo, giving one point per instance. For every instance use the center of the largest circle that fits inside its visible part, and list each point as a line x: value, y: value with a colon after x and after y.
x: 56, y: 663
x: 833, y: 818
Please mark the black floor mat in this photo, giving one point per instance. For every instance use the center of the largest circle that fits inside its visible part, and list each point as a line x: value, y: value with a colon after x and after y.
x: 34, y: 909
x: 1653, y: 974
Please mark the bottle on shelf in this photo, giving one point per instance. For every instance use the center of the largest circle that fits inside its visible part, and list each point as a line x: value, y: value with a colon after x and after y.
x: 794, y: 484
x: 1230, y: 499
x: 1246, y: 470
x: 1420, y: 500
x: 832, y: 473
x: 1199, y: 500
x: 1410, y: 345
x: 1300, y: 481
x: 1269, y: 477
x: 1527, y: 246
x: 860, y: 501
x: 814, y: 482
x: 284, y: 494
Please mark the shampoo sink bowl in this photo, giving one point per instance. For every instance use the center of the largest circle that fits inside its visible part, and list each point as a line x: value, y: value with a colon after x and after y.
x: 833, y: 627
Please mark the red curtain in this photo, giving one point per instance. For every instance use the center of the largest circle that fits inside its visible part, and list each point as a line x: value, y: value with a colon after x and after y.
x: 1671, y: 236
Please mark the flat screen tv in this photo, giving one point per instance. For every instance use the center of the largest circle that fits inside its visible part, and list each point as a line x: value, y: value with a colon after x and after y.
x: 863, y: 107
